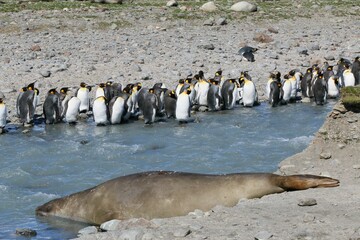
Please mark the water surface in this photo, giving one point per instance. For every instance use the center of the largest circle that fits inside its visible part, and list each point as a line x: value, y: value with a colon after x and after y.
x: 53, y: 161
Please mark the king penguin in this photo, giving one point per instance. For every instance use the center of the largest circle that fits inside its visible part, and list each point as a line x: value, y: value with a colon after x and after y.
x: 100, y: 111
x: 328, y: 72
x: 27, y: 104
x: 183, y: 106
x: 82, y: 94
x: 348, y: 77
x: 64, y: 100
x: 249, y: 93
x: 117, y: 109
x: 170, y: 103
x: 22, y: 90
x: 213, y: 97
x: 52, y: 107
x: 287, y: 87
x: 356, y: 70
x: 72, y: 110
x: 276, y: 93
x: 150, y: 106
x: 305, y: 83
x: 202, y: 88
x: 275, y: 76
x: 319, y: 90
x: 333, y: 88
x: 100, y: 91
x: 228, y: 93
x: 3, y: 115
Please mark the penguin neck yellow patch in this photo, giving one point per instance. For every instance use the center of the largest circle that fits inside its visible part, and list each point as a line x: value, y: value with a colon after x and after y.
x: 347, y: 71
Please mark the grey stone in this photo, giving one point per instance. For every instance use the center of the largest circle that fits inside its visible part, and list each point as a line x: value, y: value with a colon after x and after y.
x: 113, y: 26
x: 357, y: 166
x: 307, y: 202
x: 263, y: 235
x: 303, y: 51
x: 325, y: 155
x: 352, y: 120
x: 172, y: 3
x: 45, y: 73
x: 6, y: 90
x: 88, y: 230
x: 209, y: 22
x: 328, y: 8
x: 27, y: 232
x: 341, y: 145
x: 111, y: 225
x: 329, y: 58
x: 182, y: 232
x: 133, y: 234
x: 221, y: 21
x: 315, y: 47
x: 207, y: 46
x: 209, y: 7
x: 243, y: 6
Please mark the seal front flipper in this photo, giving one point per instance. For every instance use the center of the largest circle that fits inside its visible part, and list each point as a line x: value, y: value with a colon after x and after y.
x: 305, y: 181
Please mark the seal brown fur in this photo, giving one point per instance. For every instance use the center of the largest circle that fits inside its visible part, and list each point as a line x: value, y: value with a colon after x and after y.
x: 168, y: 194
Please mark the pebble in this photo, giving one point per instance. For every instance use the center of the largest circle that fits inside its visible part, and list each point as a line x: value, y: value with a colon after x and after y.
x: 221, y: 21
x: 263, y: 235
x: 26, y: 131
x: 325, y: 155
x: 209, y: 22
x: 315, y: 47
x: 243, y: 7
x: 35, y: 48
x: 273, y: 30
x: 209, y: 7
x: 329, y: 58
x: 207, y: 46
x: 357, y: 166
x: 352, y: 120
x: 45, y: 73
x: 307, y: 202
x: 181, y: 232
x: 132, y: 234
x: 341, y: 145
x: 26, y: 232
x: 172, y: 3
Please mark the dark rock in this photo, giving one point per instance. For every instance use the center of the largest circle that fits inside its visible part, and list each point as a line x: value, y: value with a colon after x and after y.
x: 26, y: 232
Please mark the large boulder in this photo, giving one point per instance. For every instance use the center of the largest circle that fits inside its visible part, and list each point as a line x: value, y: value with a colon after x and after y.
x: 244, y: 7
x: 209, y: 7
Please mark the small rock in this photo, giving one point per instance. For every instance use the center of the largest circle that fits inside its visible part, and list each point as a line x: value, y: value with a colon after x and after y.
x: 131, y: 234
x: 341, y: 145
x: 182, y: 232
x: 113, y: 26
x: 329, y: 58
x: 307, y: 202
x: 340, y: 108
x: 88, y: 230
x: 221, y: 21
x: 209, y: 22
x: 35, y: 48
x: 328, y: 8
x: 26, y: 131
x: 357, y: 166
x: 315, y: 47
x: 45, y: 73
x: 352, y: 120
x: 243, y: 7
x: 209, y: 7
x: 263, y: 235
x: 207, y: 46
x: 172, y: 3
x: 26, y: 232
x: 325, y: 155
x: 303, y: 51
x: 263, y: 38
x: 273, y: 30
x: 7, y: 60
x: 308, y: 218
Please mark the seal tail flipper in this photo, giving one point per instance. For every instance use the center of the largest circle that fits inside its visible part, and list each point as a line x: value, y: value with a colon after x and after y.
x: 302, y: 182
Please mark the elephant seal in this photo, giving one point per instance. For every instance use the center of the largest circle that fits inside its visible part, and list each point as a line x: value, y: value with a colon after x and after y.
x: 164, y: 194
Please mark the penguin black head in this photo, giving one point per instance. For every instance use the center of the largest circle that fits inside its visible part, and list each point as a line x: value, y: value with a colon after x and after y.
x: 309, y: 70
x: 128, y: 88
x: 172, y: 94
x: 31, y: 86
x: 109, y: 83
x: 320, y: 76
x: 286, y: 76
x: 82, y: 84
x: 64, y: 90
x: 347, y: 66
x: 52, y: 91
x: 212, y: 81
x: 1, y: 100
x: 138, y: 86
x: 188, y: 91
x: 181, y: 81
x: 201, y: 74
x: 151, y: 90
x: 330, y: 68
x: 23, y: 89
x: 292, y: 73
x: 37, y: 92
x: 102, y: 85
x: 218, y: 72
x: 245, y: 74
x: 357, y: 59
x: 188, y: 80
x: 158, y: 85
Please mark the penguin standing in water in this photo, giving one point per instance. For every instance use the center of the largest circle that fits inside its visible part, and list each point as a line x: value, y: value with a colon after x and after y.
x: 183, y: 106
x: 3, y: 115
x: 72, y: 110
x: 275, y: 76
x: 228, y: 93
x: 333, y: 87
x: 249, y: 93
x: 150, y: 106
x: 52, y: 107
x: 319, y: 90
x: 213, y: 97
x: 133, y: 99
x: 295, y: 79
x: 100, y: 111
x: 328, y: 72
x: 304, y: 84
x: 348, y: 77
x: 276, y: 93
x: 170, y: 103
x: 64, y: 99
x: 27, y: 104
x: 117, y: 108
x: 356, y: 70
x: 22, y: 90
x: 287, y: 87
x: 202, y: 88
x: 82, y: 94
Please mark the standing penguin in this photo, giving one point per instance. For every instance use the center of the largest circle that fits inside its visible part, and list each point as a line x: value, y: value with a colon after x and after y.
x: 183, y: 106
x: 150, y: 106
x: 117, y: 109
x: 228, y: 93
x: 100, y: 111
x: 341, y: 68
x: 249, y: 93
x: 202, y: 88
x: 3, y: 115
x: 72, y: 110
x: 356, y: 70
x: 319, y: 90
x: 22, y: 90
x: 100, y: 91
x: 213, y: 97
x: 52, y: 107
x: 179, y: 86
x: 27, y: 104
x: 276, y: 93
x: 82, y: 94
x: 333, y: 88
x: 328, y: 72
x: 64, y: 99
x: 170, y: 103
x: 304, y: 84
x: 287, y: 87
x: 348, y: 77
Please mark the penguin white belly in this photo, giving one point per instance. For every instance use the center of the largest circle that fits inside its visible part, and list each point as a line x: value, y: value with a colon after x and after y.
x: 203, y: 91
x: 333, y: 89
x: 268, y: 88
x: 83, y: 95
x: 236, y: 97
x: 117, y: 110
x: 293, y: 88
x: 287, y: 90
x: 349, y: 79
x: 100, y: 111
x: 72, y: 110
x: 249, y: 93
x: 3, y: 115
x: 182, y: 107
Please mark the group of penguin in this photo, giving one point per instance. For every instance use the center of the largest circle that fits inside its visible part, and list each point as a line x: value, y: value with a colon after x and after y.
x: 318, y: 83
x: 115, y: 104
